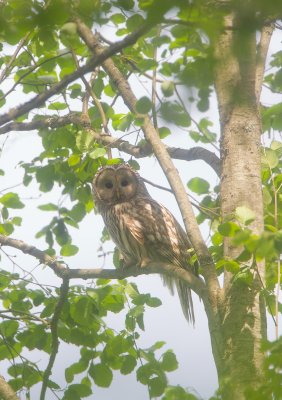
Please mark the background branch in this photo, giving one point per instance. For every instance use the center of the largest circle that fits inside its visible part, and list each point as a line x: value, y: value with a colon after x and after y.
x: 192, y: 154
x: 88, y: 67
x: 54, y: 333
x: 262, y: 50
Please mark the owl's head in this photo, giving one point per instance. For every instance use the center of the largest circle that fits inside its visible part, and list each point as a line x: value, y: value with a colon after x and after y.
x: 117, y: 184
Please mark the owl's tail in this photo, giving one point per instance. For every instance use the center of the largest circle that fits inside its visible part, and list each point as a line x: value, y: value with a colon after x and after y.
x: 184, y: 294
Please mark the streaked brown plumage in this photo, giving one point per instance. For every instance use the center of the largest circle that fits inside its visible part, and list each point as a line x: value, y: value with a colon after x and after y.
x: 142, y: 229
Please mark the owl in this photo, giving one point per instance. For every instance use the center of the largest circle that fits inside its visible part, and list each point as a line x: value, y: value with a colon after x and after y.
x: 142, y: 229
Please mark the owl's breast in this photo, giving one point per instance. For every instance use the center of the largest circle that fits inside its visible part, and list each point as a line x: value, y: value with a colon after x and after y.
x: 126, y: 230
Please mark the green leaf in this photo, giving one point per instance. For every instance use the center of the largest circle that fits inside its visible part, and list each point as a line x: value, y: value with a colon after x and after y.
x: 143, y: 105
x: 69, y: 250
x: 177, y: 393
x: 128, y: 365
x: 198, y: 185
x: 267, y: 198
x: 167, y: 88
x: 11, y: 200
x: 57, y: 106
x: 6, y: 228
x: 78, y: 212
x: 269, y: 159
x: 230, y: 266
x: 61, y: 232
x: 245, y: 276
x: 132, y: 290
x: 74, y: 159
x: 84, y: 141
x: 173, y: 112
x: 228, y: 229
x: 164, y: 132
x: 17, y: 221
x: 48, y: 207
x: 75, y: 369
x: 118, y: 18
x: 5, y: 213
x: 76, y: 391
x: 153, y: 302
x: 244, y: 215
x: 169, y: 361
x: 9, y: 328
x: 99, y: 152
x: 157, y: 386
x: 101, y: 375
x: 144, y: 372
x: 135, y: 20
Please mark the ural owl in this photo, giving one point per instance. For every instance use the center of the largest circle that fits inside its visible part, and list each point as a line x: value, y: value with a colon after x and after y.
x: 142, y: 229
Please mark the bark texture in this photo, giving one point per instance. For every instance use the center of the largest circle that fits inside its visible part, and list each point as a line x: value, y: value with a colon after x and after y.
x: 243, y: 318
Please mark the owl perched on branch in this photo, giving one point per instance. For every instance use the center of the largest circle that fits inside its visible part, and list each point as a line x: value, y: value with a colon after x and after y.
x: 143, y: 230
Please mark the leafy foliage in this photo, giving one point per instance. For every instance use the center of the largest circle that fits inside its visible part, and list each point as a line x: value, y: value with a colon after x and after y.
x: 41, y: 46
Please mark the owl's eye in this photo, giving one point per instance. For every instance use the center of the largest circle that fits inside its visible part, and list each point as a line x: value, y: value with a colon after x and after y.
x: 109, y: 185
x: 124, y: 182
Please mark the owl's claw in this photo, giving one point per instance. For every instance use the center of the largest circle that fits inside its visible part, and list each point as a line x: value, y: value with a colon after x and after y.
x: 144, y: 262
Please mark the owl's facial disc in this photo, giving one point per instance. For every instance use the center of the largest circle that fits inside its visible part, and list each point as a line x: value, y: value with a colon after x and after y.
x: 113, y: 186
x: 126, y: 184
x: 106, y: 186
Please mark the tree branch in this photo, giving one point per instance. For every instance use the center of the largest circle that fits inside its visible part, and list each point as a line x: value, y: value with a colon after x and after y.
x: 89, y: 66
x: 6, y: 392
x: 162, y: 155
x: 262, y: 50
x: 44, y: 122
x: 54, y: 333
x: 59, y: 268
x: 14, y: 56
x: 62, y: 271
x: 195, y: 153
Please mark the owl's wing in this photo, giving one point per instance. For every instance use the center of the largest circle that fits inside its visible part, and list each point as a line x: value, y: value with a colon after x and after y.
x: 166, y: 241
x: 156, y: 228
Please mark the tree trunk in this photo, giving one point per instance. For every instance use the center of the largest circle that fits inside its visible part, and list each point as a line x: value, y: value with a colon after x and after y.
x: 243, y: 312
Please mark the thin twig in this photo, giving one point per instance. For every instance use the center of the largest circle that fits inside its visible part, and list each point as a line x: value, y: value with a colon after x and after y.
x: 154, y: 87
x: 94, y: 62
x: 31, y: 69
x: 54, y: 333
x: 277, y: 298
x: 205, y: 210
x: 194, y: 153
x: 192, y: 119
x: 12, y: 59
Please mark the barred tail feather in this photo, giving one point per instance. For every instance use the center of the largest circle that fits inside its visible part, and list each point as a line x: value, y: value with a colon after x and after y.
x: 184, y: 294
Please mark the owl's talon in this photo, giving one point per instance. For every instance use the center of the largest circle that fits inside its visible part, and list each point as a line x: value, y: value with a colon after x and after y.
x: 144, y: 263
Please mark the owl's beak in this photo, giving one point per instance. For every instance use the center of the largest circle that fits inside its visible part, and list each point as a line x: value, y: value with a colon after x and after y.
x: 118, y: 193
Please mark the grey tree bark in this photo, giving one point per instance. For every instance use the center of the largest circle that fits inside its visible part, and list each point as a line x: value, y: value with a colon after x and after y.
x: 239, y: 66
